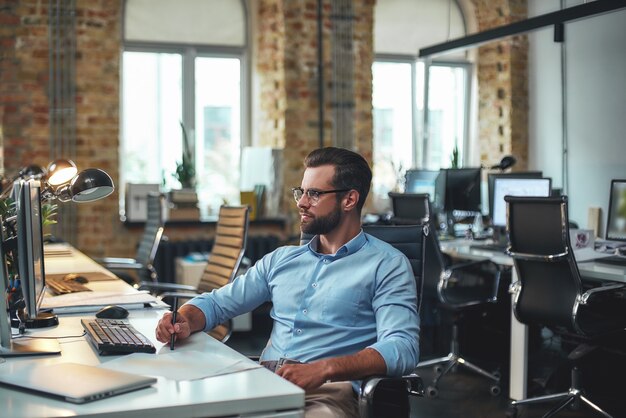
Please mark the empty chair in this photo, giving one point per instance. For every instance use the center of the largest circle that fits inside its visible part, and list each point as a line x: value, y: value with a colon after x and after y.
x: 456, y: 288
x: 231, y: 235
x: 549, y: 291
x: 143, y: 263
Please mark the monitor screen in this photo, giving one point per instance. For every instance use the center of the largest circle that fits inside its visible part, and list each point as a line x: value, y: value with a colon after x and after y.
x: 491, y: 178
x: 616, y: 218
x: 515, y: 187
x: 458, y: 189
x: 421, y: 181
x: 30, y: 245
x: 409, y: 207
x: 5, y: 328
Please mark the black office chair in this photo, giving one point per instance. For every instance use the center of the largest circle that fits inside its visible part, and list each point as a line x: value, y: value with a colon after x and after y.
x: 383, y: 396
x: 143, y: 263
x: 456, y: 288
x: 549, y: 291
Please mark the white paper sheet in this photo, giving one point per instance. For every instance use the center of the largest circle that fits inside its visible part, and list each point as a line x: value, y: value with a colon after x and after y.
x: 180, y: 365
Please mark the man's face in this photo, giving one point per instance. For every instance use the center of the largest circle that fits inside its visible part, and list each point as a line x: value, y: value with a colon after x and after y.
x: 323, y: 217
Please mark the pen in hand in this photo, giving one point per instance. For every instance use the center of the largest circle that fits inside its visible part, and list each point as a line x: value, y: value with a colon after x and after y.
x: 173, y: 336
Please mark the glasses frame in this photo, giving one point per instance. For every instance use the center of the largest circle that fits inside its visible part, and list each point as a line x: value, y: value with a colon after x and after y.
x: 312, y: 194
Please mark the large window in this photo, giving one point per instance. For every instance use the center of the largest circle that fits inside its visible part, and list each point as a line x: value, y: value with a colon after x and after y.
x: 183, y: 68
x: 410, y: 134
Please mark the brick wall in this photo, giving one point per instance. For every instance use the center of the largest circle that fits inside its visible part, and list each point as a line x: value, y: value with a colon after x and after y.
x: 502, y: 70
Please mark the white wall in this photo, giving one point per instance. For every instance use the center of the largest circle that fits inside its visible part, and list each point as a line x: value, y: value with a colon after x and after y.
x: 595, y: 119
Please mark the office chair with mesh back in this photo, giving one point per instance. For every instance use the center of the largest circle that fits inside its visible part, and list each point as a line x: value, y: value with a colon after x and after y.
x: 456, y: 288
x: 143, y: 263
x: 224, y: 260
x: 383, y: 396
x: 549, y: 291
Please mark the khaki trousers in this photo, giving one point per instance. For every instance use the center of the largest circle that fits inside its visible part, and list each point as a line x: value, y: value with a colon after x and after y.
x: 331, y: 400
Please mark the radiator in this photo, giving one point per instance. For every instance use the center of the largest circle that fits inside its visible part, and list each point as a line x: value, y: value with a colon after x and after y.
x: 165, y: 260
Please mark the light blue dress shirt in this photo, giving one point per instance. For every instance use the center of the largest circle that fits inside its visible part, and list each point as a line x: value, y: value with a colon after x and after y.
x: 329, y: 305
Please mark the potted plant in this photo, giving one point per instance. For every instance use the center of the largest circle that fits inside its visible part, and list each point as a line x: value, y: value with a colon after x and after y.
x: 185, y: 169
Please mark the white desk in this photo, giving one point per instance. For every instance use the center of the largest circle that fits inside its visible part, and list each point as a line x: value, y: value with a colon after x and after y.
x: 251, y: 393
x: 519, y: 332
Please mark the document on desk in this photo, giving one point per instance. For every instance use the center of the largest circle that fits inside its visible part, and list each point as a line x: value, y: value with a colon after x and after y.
x: 92, y: 301
x: 588, y: 254
x: 180, y: 365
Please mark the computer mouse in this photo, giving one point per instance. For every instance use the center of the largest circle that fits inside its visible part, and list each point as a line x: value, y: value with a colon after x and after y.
x: 76, y: 278
x: 112, y: 312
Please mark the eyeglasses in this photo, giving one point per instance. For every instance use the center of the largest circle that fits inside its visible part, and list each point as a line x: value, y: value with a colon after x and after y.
x: 313, y: 195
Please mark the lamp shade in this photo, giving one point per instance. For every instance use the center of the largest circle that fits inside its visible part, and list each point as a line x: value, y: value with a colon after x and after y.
x: 507, y: 161
x: 61, y: 171
x: 31, y: 172
x: 91, y: 184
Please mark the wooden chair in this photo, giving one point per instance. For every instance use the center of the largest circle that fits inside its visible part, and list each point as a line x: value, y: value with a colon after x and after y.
x: 222, y: 266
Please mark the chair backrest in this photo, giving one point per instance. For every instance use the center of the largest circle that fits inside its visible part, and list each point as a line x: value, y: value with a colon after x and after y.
x: 409, y: 239
x: 409, y: 208
x: 231, y: 236
x: 149, y: 244
x: 549, y: 280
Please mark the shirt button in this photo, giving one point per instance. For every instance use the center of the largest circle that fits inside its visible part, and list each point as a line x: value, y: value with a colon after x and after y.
x: 314, y: 284
x: 305, y: 311
x: 299, y: 331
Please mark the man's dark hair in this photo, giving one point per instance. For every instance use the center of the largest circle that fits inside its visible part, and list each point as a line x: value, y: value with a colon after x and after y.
x: 351, y: 170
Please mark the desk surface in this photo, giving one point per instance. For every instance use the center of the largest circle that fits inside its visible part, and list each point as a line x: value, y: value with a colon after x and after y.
x: 589, y: 270
x: 255, y: 392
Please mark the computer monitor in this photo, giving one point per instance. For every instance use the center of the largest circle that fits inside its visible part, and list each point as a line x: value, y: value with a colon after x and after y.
x: 515, y: 187
x: 491, y: 178
x: 616, y: 217
x: 421, y: 181
x: 458, y: 189
x: 10, y: 347
x: 30, y: 254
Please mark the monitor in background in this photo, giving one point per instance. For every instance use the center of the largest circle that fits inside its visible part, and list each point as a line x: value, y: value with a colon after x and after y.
x: 458, y: 189
x: 616, y: 217
x: 516, y: 187
x: 421, y: 181
x: 491, y: 178
x: 30, y: 254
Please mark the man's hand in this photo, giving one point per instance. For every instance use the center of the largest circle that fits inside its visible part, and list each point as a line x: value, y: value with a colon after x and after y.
x: 308, y: 376
x: 165, y: 328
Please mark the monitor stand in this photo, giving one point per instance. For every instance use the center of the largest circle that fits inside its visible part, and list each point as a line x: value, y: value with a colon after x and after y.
x: 12, y: 347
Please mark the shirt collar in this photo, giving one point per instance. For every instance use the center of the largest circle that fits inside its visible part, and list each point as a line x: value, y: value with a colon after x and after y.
x: 348, y: 248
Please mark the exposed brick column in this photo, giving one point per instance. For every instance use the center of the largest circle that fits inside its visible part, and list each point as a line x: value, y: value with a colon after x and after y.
x: 502, y: 85
x: 288, y: 72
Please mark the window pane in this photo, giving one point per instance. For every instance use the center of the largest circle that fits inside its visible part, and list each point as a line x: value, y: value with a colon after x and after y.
x: 218, y: 136
x: 393, y: 127
x: 152, y: 111
x: 446, y: 115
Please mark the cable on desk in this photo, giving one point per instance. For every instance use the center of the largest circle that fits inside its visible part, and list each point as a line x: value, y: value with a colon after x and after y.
x: 18, y: 336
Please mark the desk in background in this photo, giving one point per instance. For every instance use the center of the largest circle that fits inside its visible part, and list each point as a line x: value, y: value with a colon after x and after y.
x: 589, y: 270
x: 253, y: 393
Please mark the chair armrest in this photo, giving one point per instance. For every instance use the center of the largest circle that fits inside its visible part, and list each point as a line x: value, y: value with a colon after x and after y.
x: 165, y: 287
x: 386, y: 396
x: 120, y: 263
x: 584, y: 298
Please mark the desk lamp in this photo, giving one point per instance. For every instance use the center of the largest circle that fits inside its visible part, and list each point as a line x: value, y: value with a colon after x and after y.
x: 507, y: 161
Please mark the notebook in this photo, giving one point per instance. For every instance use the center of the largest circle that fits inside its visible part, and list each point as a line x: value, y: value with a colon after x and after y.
x: 76, y: 383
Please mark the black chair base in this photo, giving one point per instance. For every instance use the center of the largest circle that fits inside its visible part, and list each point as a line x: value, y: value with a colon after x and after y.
x: 573, y: 396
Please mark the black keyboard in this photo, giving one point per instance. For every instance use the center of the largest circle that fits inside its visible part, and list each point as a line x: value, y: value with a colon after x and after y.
x: 616, y: 260
x: 116, y: 336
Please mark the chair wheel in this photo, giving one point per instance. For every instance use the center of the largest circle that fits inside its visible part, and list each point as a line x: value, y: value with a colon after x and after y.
x: 511, y: 412
x: 432, y: 392
x: 438, y: 369
x: 495, y: 390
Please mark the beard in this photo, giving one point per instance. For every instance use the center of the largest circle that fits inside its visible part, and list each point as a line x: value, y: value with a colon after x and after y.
x: 323, y: 224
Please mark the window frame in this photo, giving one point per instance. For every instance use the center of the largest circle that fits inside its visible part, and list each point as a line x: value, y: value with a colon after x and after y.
x: 189, y: 53
x: 420, y: 125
